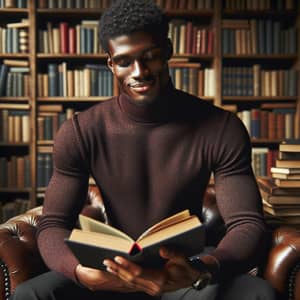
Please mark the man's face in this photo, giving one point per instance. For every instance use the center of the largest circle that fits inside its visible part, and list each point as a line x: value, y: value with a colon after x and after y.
x: 140, y: 66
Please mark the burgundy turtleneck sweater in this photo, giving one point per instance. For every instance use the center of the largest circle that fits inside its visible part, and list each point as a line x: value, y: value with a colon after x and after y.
x: 150, y: 162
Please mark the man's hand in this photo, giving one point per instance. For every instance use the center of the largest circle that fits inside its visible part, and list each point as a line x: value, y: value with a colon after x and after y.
x: 177, y: 273
x: 95, y: 280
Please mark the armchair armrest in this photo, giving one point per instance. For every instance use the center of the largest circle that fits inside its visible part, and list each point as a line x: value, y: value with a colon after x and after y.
x: 19, y: 255
x: 283, y: 263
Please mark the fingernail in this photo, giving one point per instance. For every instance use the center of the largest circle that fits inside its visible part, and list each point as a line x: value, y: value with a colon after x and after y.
x: 110, y: 270
x: 105, y: 263
x: 118, y: 260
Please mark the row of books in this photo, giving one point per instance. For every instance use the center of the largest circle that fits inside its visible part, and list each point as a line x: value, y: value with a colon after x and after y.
x: 65, y: 37
x: 274, y: 124
x: 50, y: 118
x: 281, y: 190
x: 278, y: 5
x: 44, y: 167
x: 13, y: 207
x: 263, y: 159
x: 190, y: 38
x: 185, y: 4
x: 14, y: 81
x: 190, y: 78
x: 14, y: 37
x: 101, y: 4
x: 91, y: 80
x: 13, y: 3
x: 250, y: 37
x: 15, y: 172
x: 14, y: 126
x: 253, y: 81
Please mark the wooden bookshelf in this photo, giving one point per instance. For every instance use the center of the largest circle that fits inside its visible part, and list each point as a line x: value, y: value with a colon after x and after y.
x: 208, y: 18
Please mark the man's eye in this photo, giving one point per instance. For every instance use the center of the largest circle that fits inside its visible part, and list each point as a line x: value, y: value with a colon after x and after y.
x: 123, y: 62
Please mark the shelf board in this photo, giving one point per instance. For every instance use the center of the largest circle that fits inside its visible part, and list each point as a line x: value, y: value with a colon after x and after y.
x: 98, y: 11
x: 229, y: 13
x: 187, y: 56
x: 15, y: 190
x: 71, y: 56
x: 14, y: 10
x: 45, y: 142
x: 190, y: 13
x: 70, y: 11
x: 261, y: 56
x: 13, y: 106
x: 14, y: 55
x: 258, y: 98
x: 265, y: 141
x: 70, y: 99
x: 206, y: 57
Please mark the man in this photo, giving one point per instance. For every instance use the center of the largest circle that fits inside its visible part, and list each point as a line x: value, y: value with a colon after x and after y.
x: 151, y: 151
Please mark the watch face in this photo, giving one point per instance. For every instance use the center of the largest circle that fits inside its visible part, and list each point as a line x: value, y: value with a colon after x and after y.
x: 197, y: 263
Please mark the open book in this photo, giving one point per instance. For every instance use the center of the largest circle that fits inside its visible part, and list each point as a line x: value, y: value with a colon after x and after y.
x: 96, y: 241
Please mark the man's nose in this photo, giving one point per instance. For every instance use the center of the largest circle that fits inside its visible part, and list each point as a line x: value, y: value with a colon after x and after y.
x: 139, y: 69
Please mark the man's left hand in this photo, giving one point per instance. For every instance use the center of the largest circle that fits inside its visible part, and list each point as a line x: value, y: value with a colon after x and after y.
x: 177, y: 273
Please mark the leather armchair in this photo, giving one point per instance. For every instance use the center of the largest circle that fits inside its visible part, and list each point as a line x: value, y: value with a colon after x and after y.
x: 20, y: 258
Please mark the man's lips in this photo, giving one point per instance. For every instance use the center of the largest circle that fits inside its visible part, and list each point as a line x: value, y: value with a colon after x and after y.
x: 141, y: 87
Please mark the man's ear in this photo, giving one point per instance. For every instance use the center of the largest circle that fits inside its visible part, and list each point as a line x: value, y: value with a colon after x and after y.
x: 169, y: 49
x: 110, y: 64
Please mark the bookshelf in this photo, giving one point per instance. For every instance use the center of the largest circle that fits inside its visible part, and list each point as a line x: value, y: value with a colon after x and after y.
x: 204, y: 63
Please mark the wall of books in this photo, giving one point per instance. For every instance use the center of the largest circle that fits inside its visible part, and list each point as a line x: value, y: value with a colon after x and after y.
x: 239, y: 55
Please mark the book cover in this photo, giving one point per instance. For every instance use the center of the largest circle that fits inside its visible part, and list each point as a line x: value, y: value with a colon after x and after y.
x: 291, y: 145
x: 284, y: 163
x: 268, y: 185
x: 98, y: 241
x: 279, y: 199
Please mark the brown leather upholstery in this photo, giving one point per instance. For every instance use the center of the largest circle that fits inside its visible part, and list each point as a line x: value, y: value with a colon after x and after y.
x: 20, y: 258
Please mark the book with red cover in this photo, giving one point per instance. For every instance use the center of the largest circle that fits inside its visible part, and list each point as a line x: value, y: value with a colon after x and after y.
x: 64, y: 39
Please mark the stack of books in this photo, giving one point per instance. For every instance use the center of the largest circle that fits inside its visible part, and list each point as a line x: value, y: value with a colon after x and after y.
x: 281, y: 191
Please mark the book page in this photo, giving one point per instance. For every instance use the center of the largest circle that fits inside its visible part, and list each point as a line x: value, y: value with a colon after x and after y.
x: 169, y: 231
x: 100, y: 239
x: 166, y: 222
x: 89, y: 224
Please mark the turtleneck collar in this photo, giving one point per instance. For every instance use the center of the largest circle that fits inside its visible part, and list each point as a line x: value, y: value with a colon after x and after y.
x: 157, y: 112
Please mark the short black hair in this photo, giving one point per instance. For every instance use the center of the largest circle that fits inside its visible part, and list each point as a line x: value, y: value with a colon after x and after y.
x: 124, y: 17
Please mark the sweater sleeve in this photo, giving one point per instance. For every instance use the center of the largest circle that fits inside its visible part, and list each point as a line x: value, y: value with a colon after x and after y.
x: 64, y: 199
x: 238, y: 200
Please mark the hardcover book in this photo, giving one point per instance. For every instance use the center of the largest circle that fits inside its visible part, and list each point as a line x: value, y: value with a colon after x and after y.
x: 268, y: 185
x: 96, y: 241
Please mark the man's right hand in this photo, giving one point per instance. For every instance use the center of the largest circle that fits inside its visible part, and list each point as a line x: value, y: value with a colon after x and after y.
x: 95, y: 280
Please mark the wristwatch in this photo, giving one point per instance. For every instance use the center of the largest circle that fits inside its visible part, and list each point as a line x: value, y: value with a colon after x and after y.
x: 205, y: 277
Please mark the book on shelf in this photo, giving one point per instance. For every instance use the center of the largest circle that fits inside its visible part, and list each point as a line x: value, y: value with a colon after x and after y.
x: 268, y: 185
x: 286, y: 176
x: 289, y: 155
x: 294, y: 183
x: 96, y: 241
x: 284, y: 163
x: 290, y: 145
x: 279, y: 199
x: 281, y: 210
x: 287, y: 171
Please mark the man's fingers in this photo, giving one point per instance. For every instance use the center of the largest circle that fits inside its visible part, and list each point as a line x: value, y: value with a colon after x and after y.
x: 169, y: 253
x: 134, y: 275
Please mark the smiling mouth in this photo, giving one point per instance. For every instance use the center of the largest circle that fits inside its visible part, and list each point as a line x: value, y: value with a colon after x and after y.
x: 141, y: 87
